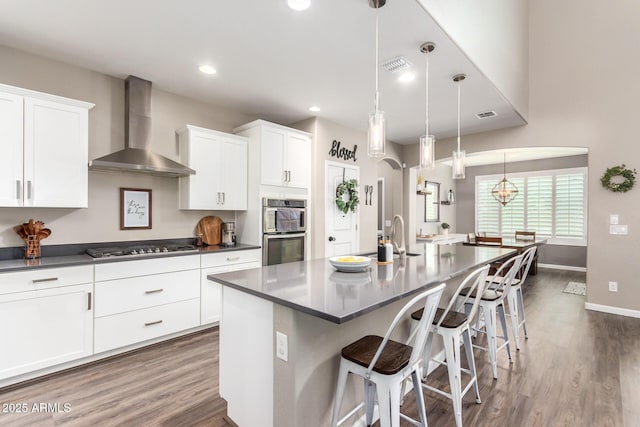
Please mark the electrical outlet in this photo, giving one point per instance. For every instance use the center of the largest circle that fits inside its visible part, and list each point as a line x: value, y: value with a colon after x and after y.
x: 613, y: 286
x: 282, y: 347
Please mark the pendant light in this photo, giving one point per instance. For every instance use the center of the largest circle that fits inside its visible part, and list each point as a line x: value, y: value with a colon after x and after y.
x: 457, y: 168
x: 504, y: 191
x: 376, y: 137
x: 427, y: 141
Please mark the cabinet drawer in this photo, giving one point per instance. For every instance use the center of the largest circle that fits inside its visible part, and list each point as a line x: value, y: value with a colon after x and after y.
x: 122, y: 295
x: 231, y: 257
x: 21, y: 281
x: 144, y: 267
x: 124, y: 329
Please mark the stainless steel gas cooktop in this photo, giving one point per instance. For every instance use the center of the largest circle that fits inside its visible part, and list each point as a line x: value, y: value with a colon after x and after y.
x: 140, y: 250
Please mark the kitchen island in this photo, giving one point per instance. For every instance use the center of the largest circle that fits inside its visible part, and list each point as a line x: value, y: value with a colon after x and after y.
x: 283, y: 326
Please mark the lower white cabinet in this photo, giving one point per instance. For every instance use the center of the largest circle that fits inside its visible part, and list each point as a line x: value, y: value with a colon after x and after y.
x: 45, y: 327
x: 210, y: 296
x: 145, y: 299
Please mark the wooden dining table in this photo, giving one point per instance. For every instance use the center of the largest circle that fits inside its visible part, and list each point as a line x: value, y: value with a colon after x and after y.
x: 520, y: 245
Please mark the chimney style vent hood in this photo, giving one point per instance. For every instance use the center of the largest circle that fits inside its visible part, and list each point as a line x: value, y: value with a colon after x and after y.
x: 137, y: 155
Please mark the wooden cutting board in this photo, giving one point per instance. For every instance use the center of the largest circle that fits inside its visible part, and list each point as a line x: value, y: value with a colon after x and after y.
x: 211, y: 229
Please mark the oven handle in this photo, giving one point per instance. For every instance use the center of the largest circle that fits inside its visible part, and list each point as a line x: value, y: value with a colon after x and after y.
x: 284, y: 235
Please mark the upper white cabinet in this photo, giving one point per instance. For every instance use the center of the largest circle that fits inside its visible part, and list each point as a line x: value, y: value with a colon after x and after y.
x: 44, y: 150
x: 285, y: 153
x: 220, y: 162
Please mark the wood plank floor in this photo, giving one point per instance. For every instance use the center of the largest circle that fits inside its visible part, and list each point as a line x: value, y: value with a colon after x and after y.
x: 578, y: 368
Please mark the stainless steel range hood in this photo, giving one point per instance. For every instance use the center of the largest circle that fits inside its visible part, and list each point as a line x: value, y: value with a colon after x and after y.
x: 137, y: 155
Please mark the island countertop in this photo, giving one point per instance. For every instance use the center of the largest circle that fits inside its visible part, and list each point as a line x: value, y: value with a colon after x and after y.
x: 314, y: 287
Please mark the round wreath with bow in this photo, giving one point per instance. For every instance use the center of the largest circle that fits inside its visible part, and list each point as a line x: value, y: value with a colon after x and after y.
x: 619, y: 187
x: 347, y: 188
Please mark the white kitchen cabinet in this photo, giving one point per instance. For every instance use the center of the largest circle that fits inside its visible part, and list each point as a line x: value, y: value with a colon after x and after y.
x: 49, y: 324
x: 285, y: 153
x: 145, y: 299
x: 44, y: 151
x: 210, y: 295
x: 220, y: 162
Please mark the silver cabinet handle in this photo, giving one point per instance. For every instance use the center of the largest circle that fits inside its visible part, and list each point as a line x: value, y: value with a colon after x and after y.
x: 48, y: 279
x: 224, y: 197
x: 284, y: 174
x: 18, y: 189
x: 218, y: 197
x: 157, y: 322
x: 289, y: 176
x: 154, y: 291
x: 29, y: 189
x: 235, y: 258
x: 89, y: 301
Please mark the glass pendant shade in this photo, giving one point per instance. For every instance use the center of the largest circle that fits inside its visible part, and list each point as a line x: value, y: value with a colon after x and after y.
x: 457, y: 166
x: 427, y: 152
x: 377, y: 134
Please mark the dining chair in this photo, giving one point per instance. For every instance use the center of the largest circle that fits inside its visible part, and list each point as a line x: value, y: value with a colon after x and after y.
x: 525, y: 235
x: 452, y: 324
x: 471, y: 238
x: 492, y: 306
x: 384, y: 365
x: 515, y: 300
x: 489, y: 241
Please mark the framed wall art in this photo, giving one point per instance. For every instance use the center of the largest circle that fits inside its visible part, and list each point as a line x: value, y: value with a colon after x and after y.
x: 135, y: 209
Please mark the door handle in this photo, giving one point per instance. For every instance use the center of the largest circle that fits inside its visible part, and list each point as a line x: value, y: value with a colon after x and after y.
x: 218, y: 202
x: 332, y: 239
x: 18, y: 189
x: 89, y: 301
x: 284, y: 175
x: 224, y: 197
x: 288, y: 176
x: 29, y: 189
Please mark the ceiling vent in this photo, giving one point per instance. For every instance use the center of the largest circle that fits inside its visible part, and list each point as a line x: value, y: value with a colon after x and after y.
x: 397, y: 64
x: 486, y: 114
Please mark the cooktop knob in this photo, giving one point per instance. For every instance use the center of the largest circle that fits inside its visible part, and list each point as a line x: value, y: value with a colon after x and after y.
x: 165, y: 250
x: 134, y: 252
x: 156, y: 250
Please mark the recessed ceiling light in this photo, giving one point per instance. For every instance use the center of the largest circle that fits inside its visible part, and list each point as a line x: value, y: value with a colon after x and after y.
x: 207, y: 69
x: 314, y: 108
x: 407, y: 77
x: 299, y: 4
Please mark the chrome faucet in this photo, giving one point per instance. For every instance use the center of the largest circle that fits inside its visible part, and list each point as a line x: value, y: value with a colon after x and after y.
x: 400, y: 248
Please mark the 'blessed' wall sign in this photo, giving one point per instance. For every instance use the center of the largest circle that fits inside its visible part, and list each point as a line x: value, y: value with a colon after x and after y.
x: 342, y: 153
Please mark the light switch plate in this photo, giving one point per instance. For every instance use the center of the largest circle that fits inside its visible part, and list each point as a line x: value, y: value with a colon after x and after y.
x: 614, y: 219
x: 620, y: 230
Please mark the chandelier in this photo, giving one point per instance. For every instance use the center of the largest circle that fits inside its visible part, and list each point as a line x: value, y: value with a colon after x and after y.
x: 504, y: 191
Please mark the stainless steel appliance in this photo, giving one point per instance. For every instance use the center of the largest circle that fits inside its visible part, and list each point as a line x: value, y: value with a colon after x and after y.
x: 284, y: 226
x: 228, y: 234
x: 140, y: 250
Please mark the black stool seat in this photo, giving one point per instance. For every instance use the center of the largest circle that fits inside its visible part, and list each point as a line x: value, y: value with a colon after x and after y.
x: 394, y: 357
x: 488, y: 295
x: 451, y: 321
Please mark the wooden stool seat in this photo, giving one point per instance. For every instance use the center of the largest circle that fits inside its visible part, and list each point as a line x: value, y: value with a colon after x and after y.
x: 488, y: 295
x: 393, y: 358
x: 453, y: 319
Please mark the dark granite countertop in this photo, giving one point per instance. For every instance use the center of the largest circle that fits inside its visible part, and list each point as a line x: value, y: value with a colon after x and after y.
x: 316, y: 288
x: 81, y: 259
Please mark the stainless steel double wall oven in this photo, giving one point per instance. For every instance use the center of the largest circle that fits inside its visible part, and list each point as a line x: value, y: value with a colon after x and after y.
x: 284, y: 230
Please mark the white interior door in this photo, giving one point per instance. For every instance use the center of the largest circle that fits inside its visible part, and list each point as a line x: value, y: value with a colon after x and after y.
x: 341, y: 230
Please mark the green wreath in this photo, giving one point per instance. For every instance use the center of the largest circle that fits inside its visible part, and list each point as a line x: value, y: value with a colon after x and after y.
x: 351, y: 188
x: 621, y: 187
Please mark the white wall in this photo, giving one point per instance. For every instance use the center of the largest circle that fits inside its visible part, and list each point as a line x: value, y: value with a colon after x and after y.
x: 582, y: 66
x: 494, y: 36
x: 100, y: 222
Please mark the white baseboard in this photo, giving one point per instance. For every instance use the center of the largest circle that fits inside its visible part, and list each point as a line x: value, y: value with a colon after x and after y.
x: 613, y: 310
x: 563, y: 267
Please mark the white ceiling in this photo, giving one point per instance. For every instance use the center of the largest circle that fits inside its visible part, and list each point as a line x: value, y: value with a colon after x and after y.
x: 272, y: 62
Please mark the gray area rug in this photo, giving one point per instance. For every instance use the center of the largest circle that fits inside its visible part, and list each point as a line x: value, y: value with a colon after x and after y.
x: 575, y: 288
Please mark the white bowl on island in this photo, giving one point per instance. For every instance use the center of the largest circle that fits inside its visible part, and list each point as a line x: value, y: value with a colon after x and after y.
x: 350, y: 263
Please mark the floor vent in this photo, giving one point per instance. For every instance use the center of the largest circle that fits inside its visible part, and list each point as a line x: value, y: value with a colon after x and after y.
x: 486, y: 114
x: 399, y: 63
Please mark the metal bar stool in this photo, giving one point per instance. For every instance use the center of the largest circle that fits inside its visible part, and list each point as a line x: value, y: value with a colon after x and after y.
x: 492, y: 305
x: 514, y: 298
x: 384, y: 364
x: 452, y: 324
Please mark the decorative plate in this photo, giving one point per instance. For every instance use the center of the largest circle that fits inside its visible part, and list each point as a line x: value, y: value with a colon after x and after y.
x: 350, y: 264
